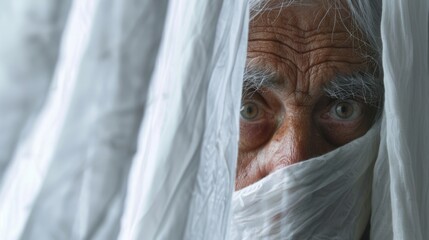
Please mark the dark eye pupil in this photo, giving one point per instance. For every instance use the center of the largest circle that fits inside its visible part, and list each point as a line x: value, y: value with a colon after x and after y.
x: 344, y: 110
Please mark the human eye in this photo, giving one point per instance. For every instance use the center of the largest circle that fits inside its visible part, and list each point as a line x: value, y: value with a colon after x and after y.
x: 345, y: 120
x: 256, y: 121
x: 346, y: 110
x: 251, y: 111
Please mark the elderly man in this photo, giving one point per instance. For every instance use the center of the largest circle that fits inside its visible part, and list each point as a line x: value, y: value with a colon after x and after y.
x: 312, y: 85
x: 140, y: 142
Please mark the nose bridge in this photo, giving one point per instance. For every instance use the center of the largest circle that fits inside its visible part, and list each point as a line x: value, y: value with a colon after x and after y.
x: 296, y: 140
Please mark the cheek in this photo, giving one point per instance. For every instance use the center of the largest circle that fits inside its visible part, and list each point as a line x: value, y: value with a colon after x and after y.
x: 340, y: 134
x: 248, y: 168
x: 254, y: 135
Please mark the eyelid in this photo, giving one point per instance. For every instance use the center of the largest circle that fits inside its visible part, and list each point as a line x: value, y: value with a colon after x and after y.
x: 255, y: 97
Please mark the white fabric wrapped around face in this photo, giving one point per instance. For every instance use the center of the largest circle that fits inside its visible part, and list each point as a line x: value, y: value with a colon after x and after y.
x: 327, y: 197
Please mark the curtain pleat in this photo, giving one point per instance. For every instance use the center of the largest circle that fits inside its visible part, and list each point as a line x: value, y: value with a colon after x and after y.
x: 83, y: 192
x: 83, y: 186
x: 29, y: 46
x: 182, y: 178
x: 70, y: 177
x: 401, y: 202
x: 31, y: 34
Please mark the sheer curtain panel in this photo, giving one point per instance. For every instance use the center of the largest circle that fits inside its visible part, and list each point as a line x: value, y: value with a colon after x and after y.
x: 130, y: 142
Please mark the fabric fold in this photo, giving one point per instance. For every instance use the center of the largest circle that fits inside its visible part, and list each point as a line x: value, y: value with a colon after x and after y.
x: 327, y: 197
x: 29, y: 49
x: 182, y: 178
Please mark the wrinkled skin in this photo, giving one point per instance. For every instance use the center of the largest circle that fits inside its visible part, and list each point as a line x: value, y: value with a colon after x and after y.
x: 293, y: 119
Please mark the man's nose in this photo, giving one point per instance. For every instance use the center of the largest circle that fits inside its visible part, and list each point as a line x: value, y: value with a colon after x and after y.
x: 296, y: 140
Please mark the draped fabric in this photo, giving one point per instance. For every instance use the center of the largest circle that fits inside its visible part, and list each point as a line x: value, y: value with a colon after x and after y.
x: 119, y: 120
x: 327, y: 197
x: 131, y: 141
x: 183, y: 175
x: 401, y: 186
x: 30, y: 40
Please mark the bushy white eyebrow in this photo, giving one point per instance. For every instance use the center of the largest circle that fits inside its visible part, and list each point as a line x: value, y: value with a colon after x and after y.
x: 359, y: 85
x: 255, y: 78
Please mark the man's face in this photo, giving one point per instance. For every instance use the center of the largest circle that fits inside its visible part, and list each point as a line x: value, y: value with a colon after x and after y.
x: 306, y: 57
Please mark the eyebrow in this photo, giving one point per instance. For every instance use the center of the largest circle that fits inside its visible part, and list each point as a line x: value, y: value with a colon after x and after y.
x: 256, y: 78
x: 358, y: 85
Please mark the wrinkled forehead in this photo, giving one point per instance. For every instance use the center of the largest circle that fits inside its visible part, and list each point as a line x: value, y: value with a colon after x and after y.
x: 308, y: 25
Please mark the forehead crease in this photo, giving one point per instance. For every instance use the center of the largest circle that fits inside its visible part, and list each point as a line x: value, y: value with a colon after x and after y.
x: 290, y: 32
x: 267, y: 76
x: 264, y: 45
x: 282, y: 60
x: 276, y: 38
x: 282, y: 39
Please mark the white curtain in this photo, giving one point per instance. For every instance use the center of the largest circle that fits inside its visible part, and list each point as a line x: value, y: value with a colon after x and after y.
x: 30, y: 40
x: 119, y: 120
x: 401, y: 186
x: 131, y: 142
